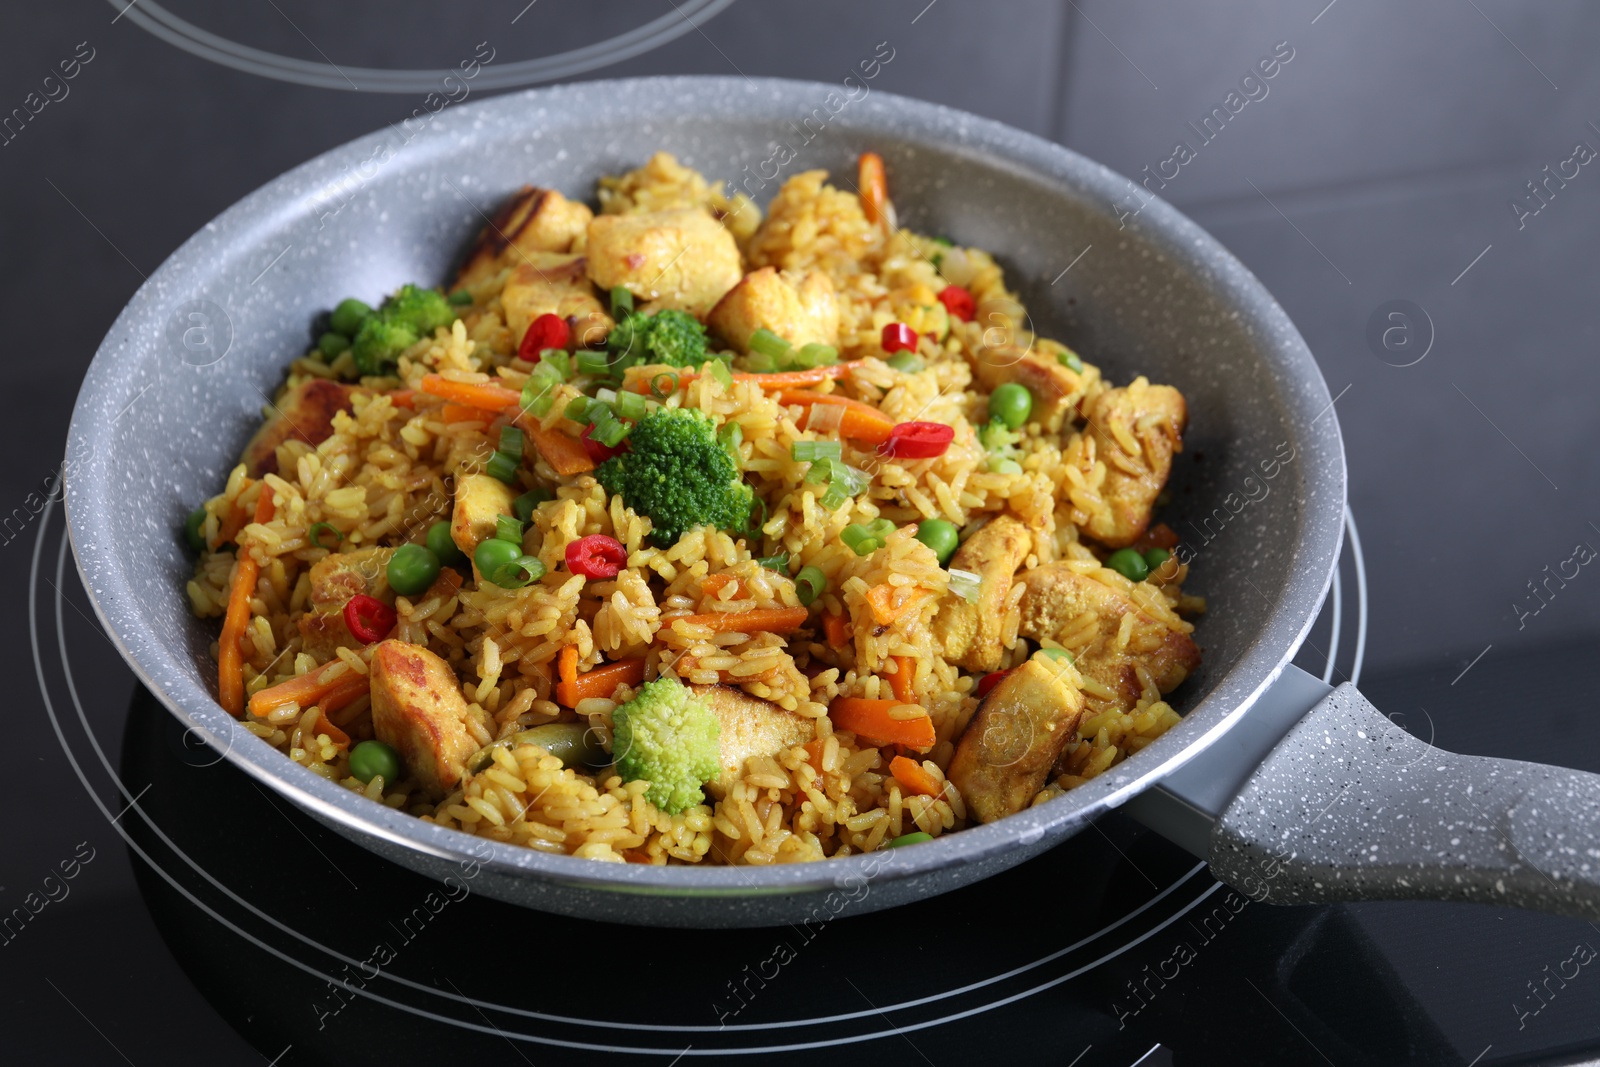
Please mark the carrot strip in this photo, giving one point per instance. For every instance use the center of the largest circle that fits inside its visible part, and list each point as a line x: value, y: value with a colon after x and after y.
x: 336, y: 735
x: 814, y: 753
x: 880, y: 598
x: 472, y: 394
x: 900, y: 681
x: 914, y: 777
x: 836, y: 629
x: 600, y: 682
x: 874, y: 186
x: 870, y: 719
x: 402, y: 398
x: 326, y: 685
x: 761, y: 620
x: 788, y: 379
x: 860, y: 421
x: 447, y: 585
x: 567, y: 665
x: 463, y: 413
x: 238, y: 518
x: 712, y: 584
x: 565, y: 454
x: 230, y: 657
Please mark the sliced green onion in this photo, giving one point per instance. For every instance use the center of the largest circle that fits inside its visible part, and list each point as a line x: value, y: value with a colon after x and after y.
x: 1057, y: 653
x: 833, y: 497
x: 815, y: 355
x: 511, y: 442
x: 779, y: 563
x: 503, y: 467
x: 944, y: 241
x: 730, y: 436
x: 538, y: 393
x: 809, y: 584
x: 906, y: 362
x: 916, y: 837
x: 557, y: 360
x: 811, y: 451
x: 621, y: 302
x: 1002, y: 465
x: 881, y: 528
x: 631, y: 405
x: 861, y: 539
x: 761, y: 363
x: 765, y: 342
x: 663, y: 385
x: 719, y: 370
x: 596, y: 363
x: 965, y: 585
x: 525, y: 503
x: 753, y: 524
x: 508, y: 528
x: 518, y: 573
x: 460, y: 298
x: 607, y: 430
x: 314, y: 535
x: 608, y: 397
x: 852, y: 480
x: 577, y: 409
x: 1070, y: 360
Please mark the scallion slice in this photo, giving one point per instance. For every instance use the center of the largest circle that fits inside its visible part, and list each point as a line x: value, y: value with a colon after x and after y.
x: 965, y: 584
x: 511, y: 442
x: 525, y: 503
x: 810, y: 584
x: 811, y: 451
x: 518, y: 572
x: 503, y: 467
x: 508, y: 528
x: 631, y: 405
x: 317, y: 530
x: 765, y: 342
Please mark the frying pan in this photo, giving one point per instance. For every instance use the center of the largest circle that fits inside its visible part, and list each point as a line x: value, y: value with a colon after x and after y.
x: 1293, y: 792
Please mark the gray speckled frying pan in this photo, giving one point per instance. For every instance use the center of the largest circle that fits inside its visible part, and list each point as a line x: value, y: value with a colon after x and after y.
x: 1343, y: 805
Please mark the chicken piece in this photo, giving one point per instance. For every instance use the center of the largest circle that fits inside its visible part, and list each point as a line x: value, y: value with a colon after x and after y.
x: 334, y: 580
x: 534, y: 220
x: 751, y: 726
x: 554, y: 283
x: 1055, y: 387
x: 304, y: 414
x: 801, y: 313
x: 971, y: 632
x: 418, y: 710
x: 681, y: 259
x: 1056, y: 596
x: 1007, y: 750
x: 1137, y: 429
x: 480, y: 501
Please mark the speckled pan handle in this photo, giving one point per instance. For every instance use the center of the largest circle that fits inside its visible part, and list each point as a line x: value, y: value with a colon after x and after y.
x: 1349, y: 806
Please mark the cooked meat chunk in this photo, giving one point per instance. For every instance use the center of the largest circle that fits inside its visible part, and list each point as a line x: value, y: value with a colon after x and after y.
x: 674, y: 259
x: 801, y: 310
x: 553, y: 283
x: 1136, y: 431
x: 534, y: 220
x: 1006, y: 753
x: 1059, y: 602
x: 1055, y: 388
x: 971, y: 632
x: 480, y: 501
x: 304, y: 414
x: 334, y: 580
x: 751, y: 726
x: 418, y: 709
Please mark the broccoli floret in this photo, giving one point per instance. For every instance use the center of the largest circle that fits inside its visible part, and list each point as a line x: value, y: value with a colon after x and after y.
x: 667, y: 737
x: 675, y: 338
x: 678, y: 473
x: 1001, y: 443
x: 405, y: 318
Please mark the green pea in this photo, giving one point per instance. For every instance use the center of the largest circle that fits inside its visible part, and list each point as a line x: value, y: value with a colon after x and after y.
x: 331, y: 344
x: 412, y: 569
x: 1154, y: 558
x: 906, y: 362
x: 1129, y: 564
x: 916, y: 838
x: 939, y: 535
x: 1011, y: 404
x: 348, y: 316
x: 492, y: 554
x: 192, y: 527
x: 372, y: 758
x: 442, y: 545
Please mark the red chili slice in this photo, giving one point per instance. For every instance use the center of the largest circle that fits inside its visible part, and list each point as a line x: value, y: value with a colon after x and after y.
x: 546, y: 331
x: 918, y: 440
x: 596, y: 556
x: 369, y: 618
x: 598, y: 452
x: 958, y: 302
x: 898, y: 337
x: 988, y: 682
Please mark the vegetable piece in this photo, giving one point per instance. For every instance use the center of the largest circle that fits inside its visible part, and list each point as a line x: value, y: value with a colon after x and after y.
x: 600, y: 682
x: 918, y: 440
x: 870, y: 719
x: 1070, y: 360
x: 331, y: 344
x: 330, y: 686
x: 1056, y: 653
x: 368, y: 618
x: 524, y: 504
x: 454, y: 413
x: 518, y: 572
x: 766, y: 343
x: 809, y: 584
x: 761, y: 620
x: 669, y: 737
x: 1011, y: 404
x: 567, y: 664
x: 861, y: 422
x: 811, y: 451
x: 193, y: 528
x: 836, y: 628
x: 443, y: 546
x: 958, y: 302
x: 901, y: 681
x: 481, y: 395
x: 370, y: 759
x: 679, y: 475
x: 988, y: 682
x: 405, y: 318
x: 915, y: 778
x: 1155, y: 557
x: 941, y: 536
x: 492, y: 554
x: 906, y: 362
x: 230, y: 657
x: 916, y: 837
x: 597, y: 451
x: 874, y: 186
x: 867, y: 538
x: 1128, y: 563
x: 898, y: 337
x: 460, y: 298
x: 670, y: 337
x: 596, y: 556
x: 502, y: 466
x: 966, y: 584
x: 511, y: 440
x: 348, y: 316
x: 566, y: 455
x: 508, y: 528
x: 575, y: 744
x: 317, y: 533
x: 546, y: 331
x: 411, y: 569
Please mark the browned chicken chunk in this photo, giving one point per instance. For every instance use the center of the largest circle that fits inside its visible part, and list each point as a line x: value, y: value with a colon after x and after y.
x: 751, y: 726
x: 304, y: 414
x: 554, y: 283
x: 535, y: 220
x: 970, y: 632
x: 1137, y: 429
x: 801, y: 310
x: 1004, y: 757
x: 334, y: 580
x: 418, y: 709
x: 1056, y: 388
x: 681, y: 259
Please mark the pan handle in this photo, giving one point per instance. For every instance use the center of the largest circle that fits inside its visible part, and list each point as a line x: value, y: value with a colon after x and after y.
x: 1348, y: 806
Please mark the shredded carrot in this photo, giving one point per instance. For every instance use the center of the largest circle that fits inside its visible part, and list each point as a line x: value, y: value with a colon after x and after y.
x: 327, y: 686
x: 238, y: 518
x: 814, y: 753
x: 230, y: 657
x: 567, y: 665
x: 402, y: 398
x: 463, y: 413
x: 565, y: 454
x: 712, y: 584
x: 472, y: 394
x: 914, y: 777
x: 788, y: 379
x: 900, y: 681
x: 836, y: 629
x: 870, y: 719
x: 889, y: 602
x: 859, y: 421
x: 336, y: 735
x: 600, y: 682
x: 874, y: 186
x: 761, y: 620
